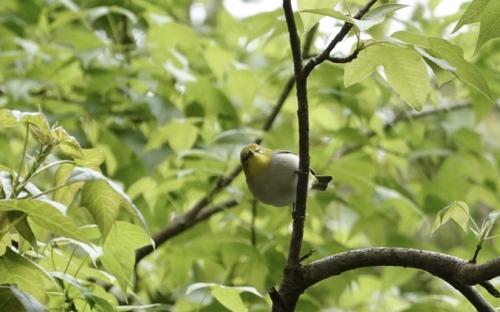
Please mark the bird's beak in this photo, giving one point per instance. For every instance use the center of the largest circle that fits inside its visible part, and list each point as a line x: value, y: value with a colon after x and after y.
x: 248, y: 155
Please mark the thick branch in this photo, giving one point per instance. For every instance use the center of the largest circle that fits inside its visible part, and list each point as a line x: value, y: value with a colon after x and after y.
x: 459, y: 273
x: 303, y: 118
x: 291, y: 285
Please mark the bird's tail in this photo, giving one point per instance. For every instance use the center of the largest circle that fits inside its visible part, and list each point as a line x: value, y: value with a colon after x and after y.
x: 321, y: 182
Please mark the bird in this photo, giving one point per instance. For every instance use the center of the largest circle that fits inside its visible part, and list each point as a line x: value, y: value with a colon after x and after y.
x: 272, y: 176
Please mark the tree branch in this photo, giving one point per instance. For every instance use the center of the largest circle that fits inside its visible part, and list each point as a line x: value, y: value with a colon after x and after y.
x: 180, y: 224
x: 345, y: 59
x: 471, y: 294
x: 303, y: 119
x: 291, y: 285
x: 458, y: 272
x: 490, y: 288
x: 323, y: 56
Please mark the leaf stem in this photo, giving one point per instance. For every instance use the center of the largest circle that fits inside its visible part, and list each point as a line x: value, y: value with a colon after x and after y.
x: 21, y: 164
x: 69, y: 260
x: 42, y: 155
x: 56, y: 163
x: 48, y: 191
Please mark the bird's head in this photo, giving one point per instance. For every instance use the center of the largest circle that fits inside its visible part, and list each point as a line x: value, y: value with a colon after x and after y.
x: 255, y: 158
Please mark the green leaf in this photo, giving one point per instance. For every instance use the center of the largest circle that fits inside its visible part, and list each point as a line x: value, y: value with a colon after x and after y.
x: 23, y: 227
x: 119, y: 250
x: 404, y: 68
x: 331, y: 13
x: 91, y: 158
x: 68, y: 144
x: 48, y: 214
x: 15, y: 269
x: 489, y: 28
x: 464, y: 70
x: 310, y: 19
x: 442, y: 76
x: 6, y: 184
x: 448, y: 57
x: 97, y: 12
x: 80, y: 174
x: 218, y: 59
x: 65, y: 195
x: 5, y: 241
x: 472, y: 14
x: 102, y: 202
x: 457, y: 211
x: 226, y: 295
x: 93, y: 251
x: 39, y: 124
x: 78, y: 284
x: 180, y: 134
x: 488, y: 223
x: 412, y: 38
x: 377, y: 15
x: 13, y: 299
x: 372, y: 18
x: 230, y: 298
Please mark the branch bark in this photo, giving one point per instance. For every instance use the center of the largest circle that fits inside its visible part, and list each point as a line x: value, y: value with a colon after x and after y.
x: 286, y: 297
x: 459, y: 273
x: 323, y: 56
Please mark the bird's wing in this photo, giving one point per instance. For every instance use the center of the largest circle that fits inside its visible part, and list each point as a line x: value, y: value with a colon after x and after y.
x: 283, y: 152
x: 288, y: 152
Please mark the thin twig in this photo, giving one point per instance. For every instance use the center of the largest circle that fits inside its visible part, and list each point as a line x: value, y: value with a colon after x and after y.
x: 253, y: 236
x: 476, y: 253
x: 55, y: 188
x: 23, y: 156
x: 312, y: 63
x: 345, y: 59
x: 490, y: 289
x: 52, y: 164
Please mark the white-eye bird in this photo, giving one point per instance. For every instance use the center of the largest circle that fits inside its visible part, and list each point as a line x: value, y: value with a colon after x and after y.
x: 272, y: 175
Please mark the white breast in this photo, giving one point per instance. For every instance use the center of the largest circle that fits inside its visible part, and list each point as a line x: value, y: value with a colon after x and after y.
x: 277, y: 184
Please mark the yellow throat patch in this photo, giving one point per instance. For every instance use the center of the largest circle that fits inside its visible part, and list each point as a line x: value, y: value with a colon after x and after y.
x: 255, y: 159
x: 258, y: 163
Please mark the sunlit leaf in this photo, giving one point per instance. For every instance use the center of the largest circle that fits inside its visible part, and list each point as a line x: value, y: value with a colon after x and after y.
x: 404, y: 68
x: 68, y: 144
x: 472, y: 14
x: 102, y: 202
x: 490, y: 24
x: 13, y: 299
x: 80, y: 174
x: 45, y: 214
x: 16, y: 269
x: 457, y: 211
x: 119, y: 250
x: 228, y: 296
